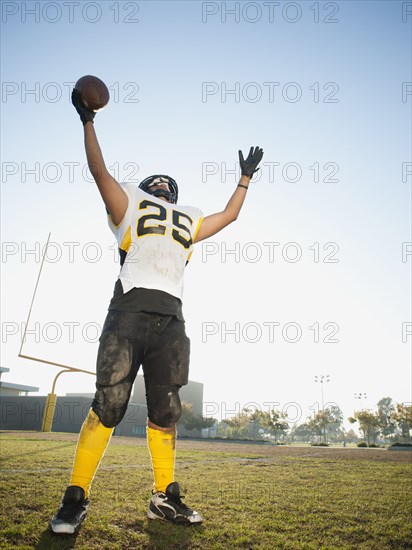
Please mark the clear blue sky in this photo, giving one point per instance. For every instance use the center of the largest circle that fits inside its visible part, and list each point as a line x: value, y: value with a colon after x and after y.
x: 324, y: 100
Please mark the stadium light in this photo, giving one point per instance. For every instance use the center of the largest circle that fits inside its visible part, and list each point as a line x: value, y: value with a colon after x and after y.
x: 361, y: 396
x: 322, y: 378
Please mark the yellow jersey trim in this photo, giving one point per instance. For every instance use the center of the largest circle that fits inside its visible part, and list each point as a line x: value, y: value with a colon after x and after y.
x: 197, y: 228
x: 127, y: 240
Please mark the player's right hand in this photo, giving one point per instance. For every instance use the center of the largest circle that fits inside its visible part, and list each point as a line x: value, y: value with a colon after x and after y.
x: 86, y: 114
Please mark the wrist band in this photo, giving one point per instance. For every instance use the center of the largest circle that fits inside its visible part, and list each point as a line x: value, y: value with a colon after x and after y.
x: 244, y: 186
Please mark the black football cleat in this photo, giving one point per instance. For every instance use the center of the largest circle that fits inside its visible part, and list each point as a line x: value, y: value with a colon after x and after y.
x: 71, y: 513
x: 169, y: 506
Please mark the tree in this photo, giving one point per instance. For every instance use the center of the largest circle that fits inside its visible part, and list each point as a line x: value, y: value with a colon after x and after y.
x: 387, y: 424
x: 351, y: 436
x: 273, y: 422
x: 319, y: 423
x: 368, y: 423
x: 252, y: 422
x: 193, y: 421
x: 279, y: 424
x: 402, y: 416
x: 302, y: 430
x: 322, y: 420
x: 336, y: 420
x: 238, y: 425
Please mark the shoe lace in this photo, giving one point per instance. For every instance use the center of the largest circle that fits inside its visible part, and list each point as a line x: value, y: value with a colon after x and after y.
x: 178, y: 500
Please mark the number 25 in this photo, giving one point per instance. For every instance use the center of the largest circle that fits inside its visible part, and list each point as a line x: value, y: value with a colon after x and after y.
x: 159, y: 229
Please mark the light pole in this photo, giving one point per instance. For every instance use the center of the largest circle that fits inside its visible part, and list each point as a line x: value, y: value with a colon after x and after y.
x: 322, y: 378
x: 361, y: 396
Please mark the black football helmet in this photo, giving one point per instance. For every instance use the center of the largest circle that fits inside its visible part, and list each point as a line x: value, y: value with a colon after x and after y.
x: 170, y: 195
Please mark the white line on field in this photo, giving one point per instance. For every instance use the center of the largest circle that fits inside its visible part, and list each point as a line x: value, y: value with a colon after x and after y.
x: 5, y: 471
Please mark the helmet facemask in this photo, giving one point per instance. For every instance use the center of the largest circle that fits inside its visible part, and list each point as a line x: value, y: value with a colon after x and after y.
x: 170, y: 194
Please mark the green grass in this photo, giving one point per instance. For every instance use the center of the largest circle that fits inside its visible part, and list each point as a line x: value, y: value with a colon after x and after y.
x: 250, y: 498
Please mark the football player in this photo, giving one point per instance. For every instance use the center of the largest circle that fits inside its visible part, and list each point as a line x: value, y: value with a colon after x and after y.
x: 144, y: 325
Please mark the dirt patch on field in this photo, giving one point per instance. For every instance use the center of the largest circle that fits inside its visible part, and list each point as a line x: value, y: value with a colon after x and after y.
x: 249, y: 449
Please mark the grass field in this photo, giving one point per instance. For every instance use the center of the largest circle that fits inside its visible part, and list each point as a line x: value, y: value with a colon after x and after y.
x: 251, y: 497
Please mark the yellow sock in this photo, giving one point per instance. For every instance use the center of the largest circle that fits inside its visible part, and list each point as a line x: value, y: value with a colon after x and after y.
x: 93, y: 440
x: 162, y: 450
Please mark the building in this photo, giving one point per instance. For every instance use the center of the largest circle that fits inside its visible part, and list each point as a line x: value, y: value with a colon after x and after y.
x: 191, y: 393
x: 9, y: 388
x: 23, y: 412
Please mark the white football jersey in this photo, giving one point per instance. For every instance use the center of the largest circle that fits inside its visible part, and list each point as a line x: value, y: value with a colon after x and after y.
x: 155, y: 241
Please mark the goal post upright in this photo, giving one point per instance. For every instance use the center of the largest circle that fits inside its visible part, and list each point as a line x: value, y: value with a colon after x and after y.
x: 51, y: 399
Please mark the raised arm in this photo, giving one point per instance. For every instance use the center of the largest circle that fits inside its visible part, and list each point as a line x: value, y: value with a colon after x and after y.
x: 215, y: 222
x: 114, y: 197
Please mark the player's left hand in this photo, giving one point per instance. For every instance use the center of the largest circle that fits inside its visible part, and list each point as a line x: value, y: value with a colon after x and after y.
x: 249, y: 166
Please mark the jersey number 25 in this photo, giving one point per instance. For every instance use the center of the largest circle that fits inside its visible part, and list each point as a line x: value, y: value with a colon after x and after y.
x: 158, y: 229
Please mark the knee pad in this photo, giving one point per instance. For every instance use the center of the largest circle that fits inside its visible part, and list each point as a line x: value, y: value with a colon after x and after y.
x: 108, y: 407
x: 163, y: 405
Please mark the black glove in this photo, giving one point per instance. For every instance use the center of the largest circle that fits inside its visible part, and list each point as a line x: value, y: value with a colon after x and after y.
x: 86, y: 114
x: 249, y: 166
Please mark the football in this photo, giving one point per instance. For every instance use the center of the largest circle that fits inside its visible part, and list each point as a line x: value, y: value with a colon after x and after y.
x: 93, y: 92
